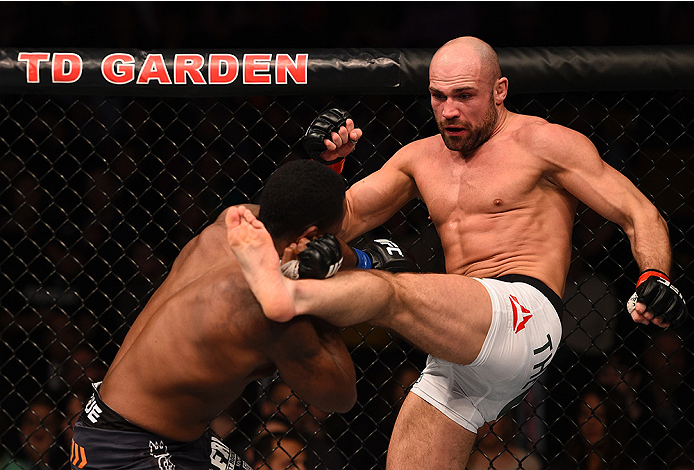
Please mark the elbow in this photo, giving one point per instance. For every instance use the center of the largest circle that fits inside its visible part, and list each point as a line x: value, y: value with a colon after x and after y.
x: 347, y: 399
x: 662, y: 221
x: 343, y: 392
x: 651, y: 214
x: 656, y: 219
x: 337, y: 400
x: 350, y: 399
x: 646, y: 218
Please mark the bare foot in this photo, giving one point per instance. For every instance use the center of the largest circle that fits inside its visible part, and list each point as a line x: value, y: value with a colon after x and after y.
x: 253, y: 247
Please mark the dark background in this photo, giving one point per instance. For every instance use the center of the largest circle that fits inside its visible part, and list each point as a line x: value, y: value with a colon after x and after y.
x: 138, y: 178
x: 147, y: 25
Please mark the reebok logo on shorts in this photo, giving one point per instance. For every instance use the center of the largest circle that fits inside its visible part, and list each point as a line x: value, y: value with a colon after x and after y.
x: 520, y: 314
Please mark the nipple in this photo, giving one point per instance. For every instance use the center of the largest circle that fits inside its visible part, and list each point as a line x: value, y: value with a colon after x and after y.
x: 497, y: 202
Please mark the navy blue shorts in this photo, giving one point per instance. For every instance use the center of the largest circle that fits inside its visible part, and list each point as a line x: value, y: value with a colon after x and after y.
x: 105, y: 440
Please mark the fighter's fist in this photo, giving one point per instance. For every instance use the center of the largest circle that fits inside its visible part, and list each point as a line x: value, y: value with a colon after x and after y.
x: 386, y: 255
x: 322, y: 258
x: 331, y: 136
x: 660, y: 297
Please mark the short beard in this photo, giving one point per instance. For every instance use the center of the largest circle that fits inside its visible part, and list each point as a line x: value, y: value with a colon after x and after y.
x: 476, y: 136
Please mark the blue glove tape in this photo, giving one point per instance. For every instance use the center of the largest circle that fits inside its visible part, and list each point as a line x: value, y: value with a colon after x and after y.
x: 363, y: 260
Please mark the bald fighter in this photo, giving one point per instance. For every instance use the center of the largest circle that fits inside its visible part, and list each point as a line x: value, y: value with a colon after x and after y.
x: 502, y: 190
x: 202, y: 338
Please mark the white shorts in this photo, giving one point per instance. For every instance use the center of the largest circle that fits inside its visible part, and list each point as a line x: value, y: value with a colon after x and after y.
x: 522, y: 340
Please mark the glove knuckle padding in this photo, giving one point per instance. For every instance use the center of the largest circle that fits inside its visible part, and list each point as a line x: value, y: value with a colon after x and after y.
x: 663, y: 299
x: 321, y: 258
x: 388, y: 256
x: 322, y: 128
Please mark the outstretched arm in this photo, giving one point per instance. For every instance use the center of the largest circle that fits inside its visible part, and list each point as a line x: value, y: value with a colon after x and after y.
x: 580, y: 170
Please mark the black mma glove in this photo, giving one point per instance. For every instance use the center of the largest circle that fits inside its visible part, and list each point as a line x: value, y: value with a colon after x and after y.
x: 322, y: 128
x: 387, y: 256
x: 321, y: 259
x: 662, y: 298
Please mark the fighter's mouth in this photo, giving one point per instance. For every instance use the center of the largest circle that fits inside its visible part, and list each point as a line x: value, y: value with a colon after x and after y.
x: 454, y: 130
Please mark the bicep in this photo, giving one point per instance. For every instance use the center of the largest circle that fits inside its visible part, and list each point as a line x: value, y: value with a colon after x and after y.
x: 585, y: 175
x: 374, y: 199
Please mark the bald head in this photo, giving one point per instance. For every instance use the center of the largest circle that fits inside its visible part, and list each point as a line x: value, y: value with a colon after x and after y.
x: 467, y: 92
x: 466, y: 56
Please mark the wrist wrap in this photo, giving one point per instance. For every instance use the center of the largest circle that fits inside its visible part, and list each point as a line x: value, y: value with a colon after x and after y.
x: 363, y: 260
x: 651, y: 272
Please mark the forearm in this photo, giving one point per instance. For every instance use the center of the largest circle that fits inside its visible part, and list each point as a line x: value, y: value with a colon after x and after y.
x: 650, y: 242
x: 318, y: 367
x: 339, y: 392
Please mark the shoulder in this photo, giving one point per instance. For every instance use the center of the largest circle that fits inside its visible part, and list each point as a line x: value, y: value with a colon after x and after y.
x: 537, y: 131
x: 413, y: 151
x: 426, y: 144
x: 557, y: 145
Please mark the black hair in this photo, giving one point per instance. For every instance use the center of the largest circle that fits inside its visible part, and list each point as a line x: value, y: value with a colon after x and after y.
x: 299, y: 194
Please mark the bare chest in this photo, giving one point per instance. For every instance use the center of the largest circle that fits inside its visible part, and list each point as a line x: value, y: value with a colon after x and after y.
x: 487, y: 186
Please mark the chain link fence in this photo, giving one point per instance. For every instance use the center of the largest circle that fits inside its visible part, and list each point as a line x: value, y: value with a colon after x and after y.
x: 99, y: 194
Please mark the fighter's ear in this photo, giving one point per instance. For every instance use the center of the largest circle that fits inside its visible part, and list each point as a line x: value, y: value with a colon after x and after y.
x: 500, y: 90
x: 310, y: 233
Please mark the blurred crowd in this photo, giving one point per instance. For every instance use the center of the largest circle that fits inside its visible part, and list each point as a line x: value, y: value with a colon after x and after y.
x: 97, y: 197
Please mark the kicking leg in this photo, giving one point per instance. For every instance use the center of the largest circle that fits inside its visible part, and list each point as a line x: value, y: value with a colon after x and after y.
x: 336, y: 300
x: 255, y: 251
x: 446, y: 315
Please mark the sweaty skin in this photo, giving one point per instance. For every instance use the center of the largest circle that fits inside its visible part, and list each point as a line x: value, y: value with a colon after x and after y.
x: 203, y: 337
x: 502, y: 190
x: 505, y: 206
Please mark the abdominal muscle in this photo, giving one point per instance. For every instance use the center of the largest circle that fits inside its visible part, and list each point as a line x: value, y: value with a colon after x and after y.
x: 513, y: 242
